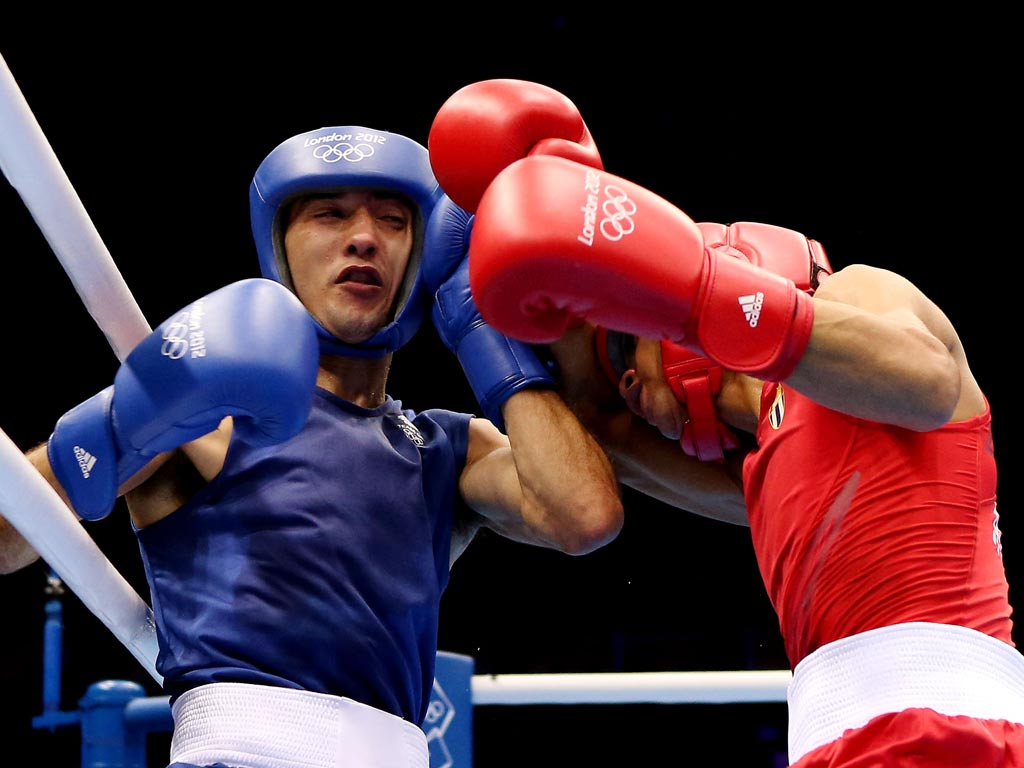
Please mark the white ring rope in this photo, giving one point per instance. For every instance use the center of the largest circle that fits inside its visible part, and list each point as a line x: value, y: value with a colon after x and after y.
x: 632, y: 688
x: 26, y: 499
x: 39, y: 514
x: 32, y: 168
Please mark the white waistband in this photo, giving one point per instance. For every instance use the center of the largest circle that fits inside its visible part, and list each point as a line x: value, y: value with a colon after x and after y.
x: 259, y: 726
x: 952, y: 670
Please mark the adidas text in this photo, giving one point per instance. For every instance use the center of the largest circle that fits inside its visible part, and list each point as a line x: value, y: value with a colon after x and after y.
x: 86, y: 461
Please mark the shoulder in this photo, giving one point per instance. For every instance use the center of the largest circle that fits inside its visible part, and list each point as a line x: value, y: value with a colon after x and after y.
x: 873, y: 289
x: 454, y: 424
x: 854, y: 276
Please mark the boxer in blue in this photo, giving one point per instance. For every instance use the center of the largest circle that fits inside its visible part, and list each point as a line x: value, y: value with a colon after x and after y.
x: 296, y: 523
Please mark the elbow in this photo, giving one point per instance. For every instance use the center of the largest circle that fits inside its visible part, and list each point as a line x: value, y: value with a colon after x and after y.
x: 935, y: 403
x: 597, y: 523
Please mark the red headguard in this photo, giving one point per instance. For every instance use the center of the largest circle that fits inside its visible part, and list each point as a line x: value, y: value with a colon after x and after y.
x: 696, y: 380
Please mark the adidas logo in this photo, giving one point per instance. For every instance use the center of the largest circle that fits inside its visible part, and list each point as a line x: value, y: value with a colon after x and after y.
x: 86, y: 461
x: 751, y: 306
x: 410, y: 430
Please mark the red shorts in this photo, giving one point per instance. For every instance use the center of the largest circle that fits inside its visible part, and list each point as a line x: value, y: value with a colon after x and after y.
x: 923, y: 738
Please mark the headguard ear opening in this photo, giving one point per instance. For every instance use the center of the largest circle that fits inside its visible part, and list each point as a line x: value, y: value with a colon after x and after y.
x: 412, y: 270
x: 281, y: 271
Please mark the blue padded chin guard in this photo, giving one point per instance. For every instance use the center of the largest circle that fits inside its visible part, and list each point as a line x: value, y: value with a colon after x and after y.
x: 333, y: 158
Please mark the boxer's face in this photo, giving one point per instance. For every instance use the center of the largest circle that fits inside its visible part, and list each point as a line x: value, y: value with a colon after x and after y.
x: 347, y: 253
x: 648, y: 395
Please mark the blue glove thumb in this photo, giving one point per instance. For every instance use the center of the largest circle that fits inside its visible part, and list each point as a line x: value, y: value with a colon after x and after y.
x: 495, y: 365
x: 446, y: 243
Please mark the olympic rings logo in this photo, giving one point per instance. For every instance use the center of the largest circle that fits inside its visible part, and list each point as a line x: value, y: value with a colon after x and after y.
x: 440, y: 713
x: 618, y: 211
x: 353, y: 153
x: 436, y: 710
x: 175, y: 337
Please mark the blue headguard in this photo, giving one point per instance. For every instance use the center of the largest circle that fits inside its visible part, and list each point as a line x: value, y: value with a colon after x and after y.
x: 330, y: 159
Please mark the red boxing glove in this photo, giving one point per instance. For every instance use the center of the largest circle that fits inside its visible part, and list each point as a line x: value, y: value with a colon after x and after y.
x: 555, y: 241
x: 486, y: 126
x: 782, y: 251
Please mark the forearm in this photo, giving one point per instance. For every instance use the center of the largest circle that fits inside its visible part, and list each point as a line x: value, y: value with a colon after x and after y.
x: 656, y: 467
x: 15, y: 551
x: 568, y: 485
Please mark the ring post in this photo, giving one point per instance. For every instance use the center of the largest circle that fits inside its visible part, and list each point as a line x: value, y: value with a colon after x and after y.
x: 449, y: 720
x: 106, y: 742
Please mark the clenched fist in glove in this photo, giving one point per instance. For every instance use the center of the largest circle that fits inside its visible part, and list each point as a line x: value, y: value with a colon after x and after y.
x: 555, y: 241
x: 496, y: 366
x: 248, y: 350
x: 486, y: 126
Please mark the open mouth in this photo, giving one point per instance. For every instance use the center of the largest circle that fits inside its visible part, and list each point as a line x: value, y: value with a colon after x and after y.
x: 361, y: 275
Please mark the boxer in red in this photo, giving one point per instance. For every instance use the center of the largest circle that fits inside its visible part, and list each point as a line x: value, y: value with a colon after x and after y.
x: 836, y: 410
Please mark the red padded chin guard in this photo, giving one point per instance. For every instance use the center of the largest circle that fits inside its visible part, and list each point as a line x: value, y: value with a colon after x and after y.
x: 695, y: 381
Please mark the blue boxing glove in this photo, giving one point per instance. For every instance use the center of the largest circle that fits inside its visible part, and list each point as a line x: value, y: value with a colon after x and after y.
x: 248, y: 350
x: 495, y: 365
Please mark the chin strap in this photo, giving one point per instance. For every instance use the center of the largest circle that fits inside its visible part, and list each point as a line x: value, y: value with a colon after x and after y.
x: 694, y: 380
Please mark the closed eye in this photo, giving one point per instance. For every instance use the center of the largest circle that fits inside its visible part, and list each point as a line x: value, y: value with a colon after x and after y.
x: 398, y: 223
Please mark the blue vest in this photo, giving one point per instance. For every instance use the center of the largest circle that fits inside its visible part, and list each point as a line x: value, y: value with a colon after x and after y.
x: 315, y: 564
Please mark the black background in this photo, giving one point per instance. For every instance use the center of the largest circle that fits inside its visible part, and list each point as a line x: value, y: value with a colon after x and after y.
x: 887, y: 139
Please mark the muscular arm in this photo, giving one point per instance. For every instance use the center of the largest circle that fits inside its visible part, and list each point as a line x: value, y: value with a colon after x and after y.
x: 152, y: 493
x: 15, y: 551
x: 179, y: 476
x: 548, y: 483
x: 649, y: 463
x: 881, y: 350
